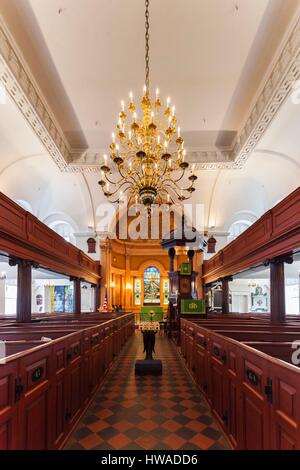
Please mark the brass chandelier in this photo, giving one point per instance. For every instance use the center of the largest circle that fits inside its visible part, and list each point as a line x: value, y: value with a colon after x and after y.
x: 147, y: 155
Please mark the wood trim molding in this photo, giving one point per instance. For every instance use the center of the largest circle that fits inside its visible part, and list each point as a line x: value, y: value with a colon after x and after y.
x: 276, y: 233
x: 24, y: 236
x: 20, y: 85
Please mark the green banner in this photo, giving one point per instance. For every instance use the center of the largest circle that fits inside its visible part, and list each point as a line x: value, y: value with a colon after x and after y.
x: 191, y: 306
x: 185, y: 268
x: 151, y: 313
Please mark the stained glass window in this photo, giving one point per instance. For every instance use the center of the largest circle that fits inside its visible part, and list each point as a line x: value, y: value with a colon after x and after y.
x: 137, y: 291
x: 151, y: 286
x: 166, y: 291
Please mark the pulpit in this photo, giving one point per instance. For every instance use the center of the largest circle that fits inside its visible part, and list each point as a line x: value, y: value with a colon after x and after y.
x: 182, y: 281
x: 149, y: 365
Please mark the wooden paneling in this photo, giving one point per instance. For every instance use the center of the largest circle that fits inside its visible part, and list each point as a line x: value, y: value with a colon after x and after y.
x: 254, y: 406
x: 34, y: 407
x: 8, y: 410
x: 12, y: 218
x: 286, y: 409
x: 44, y: 391
x: 254, y: 396
x: 23, y: 235
x: 277, y: 232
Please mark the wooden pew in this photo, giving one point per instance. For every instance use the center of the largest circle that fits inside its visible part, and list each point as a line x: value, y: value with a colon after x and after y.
x: 46, y: 386
x: 252, y: 389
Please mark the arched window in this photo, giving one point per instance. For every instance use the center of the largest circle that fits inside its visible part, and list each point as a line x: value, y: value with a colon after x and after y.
x: 65, y: 230
x: 237, y: 228
x: 151, y: 286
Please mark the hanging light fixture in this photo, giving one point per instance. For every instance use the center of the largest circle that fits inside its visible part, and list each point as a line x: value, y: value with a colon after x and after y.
x: 147, y: 161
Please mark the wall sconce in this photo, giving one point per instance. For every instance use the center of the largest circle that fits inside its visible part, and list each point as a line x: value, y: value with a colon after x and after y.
x: 112, y: 284
x: 128, y: 286
x: 3, y: 275
x: 252, y: 284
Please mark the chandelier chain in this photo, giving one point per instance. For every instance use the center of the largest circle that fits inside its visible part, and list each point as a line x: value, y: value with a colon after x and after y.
x: 147, y: 37
x: 147, y: 159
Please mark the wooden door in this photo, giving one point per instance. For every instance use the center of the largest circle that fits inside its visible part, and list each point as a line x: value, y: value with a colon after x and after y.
x: 86, y: 369
x: 233, y: 392
x: 35, y: 406
x: 96, y: 361
x: 218, y: 385
x: 59, y: 393
x: 8, y: 406
x: 254, y: 409
x: 284, y: 383
x: 74, y: 381
x: 201, y: 361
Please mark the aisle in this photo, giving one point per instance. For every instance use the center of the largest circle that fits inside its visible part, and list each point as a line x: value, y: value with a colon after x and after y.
x: 164, y: 412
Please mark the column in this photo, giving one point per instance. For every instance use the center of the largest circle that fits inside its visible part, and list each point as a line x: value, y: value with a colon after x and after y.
x: 128, y: 291
x: 104, y: 275
x: 24, y: 289
x: 277, y: 283
x: 198, y: 263
x: 77, y: 295
x: 277, y: 294
x: 171, y: 256
x: 225, y: 295
x: 97, y: 297
x: 190, y: 255
x: 108, y: 275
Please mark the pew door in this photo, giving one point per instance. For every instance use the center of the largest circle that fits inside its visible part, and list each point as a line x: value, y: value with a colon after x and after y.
x: 35, y: 405
x: 59, y: 393
x: 218, y: 391
x: 254, y: 415
x: 201, y: 361
x: 8, y: 406
x: 74, y: 381
x: 233, y: 395
x: 285, y: 406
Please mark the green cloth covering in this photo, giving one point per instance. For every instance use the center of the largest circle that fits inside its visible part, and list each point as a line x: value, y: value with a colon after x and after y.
x: 150, y: 313
x: 185, y: 268
x: 190, y: 306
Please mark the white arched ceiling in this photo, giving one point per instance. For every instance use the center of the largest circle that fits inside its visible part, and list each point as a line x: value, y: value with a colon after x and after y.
x: 38, y: 181
x: 27, y: 172
x: 263, y: 181
x: 271, y: 172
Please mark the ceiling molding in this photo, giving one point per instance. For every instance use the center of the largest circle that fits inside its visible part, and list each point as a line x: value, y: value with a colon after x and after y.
x: 16, y: 78
x: 20, y: 86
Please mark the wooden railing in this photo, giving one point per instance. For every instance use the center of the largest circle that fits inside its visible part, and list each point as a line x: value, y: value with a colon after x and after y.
x: 276, y: 233
x: 22, y: 235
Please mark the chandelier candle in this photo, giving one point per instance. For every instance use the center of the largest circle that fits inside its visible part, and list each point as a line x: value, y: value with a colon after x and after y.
x: 144, y: 169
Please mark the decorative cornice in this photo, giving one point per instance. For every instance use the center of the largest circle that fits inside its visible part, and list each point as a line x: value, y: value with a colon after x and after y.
x: 20, y: 86
x: 18, y: 82
x: 277, y: 88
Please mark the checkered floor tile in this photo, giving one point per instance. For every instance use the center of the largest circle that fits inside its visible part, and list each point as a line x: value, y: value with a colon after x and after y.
x: 153, y: 413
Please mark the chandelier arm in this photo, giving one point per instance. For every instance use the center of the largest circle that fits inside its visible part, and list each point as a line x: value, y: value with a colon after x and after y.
x: 165, y: 170
x: 172, y: 188
x: 176, y: 181
x: 163, y: 191
x: 119, y: 187
x: 127, y: 176
x: 120, y: 180
x: 113, y: 182
x: 176, y: 188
